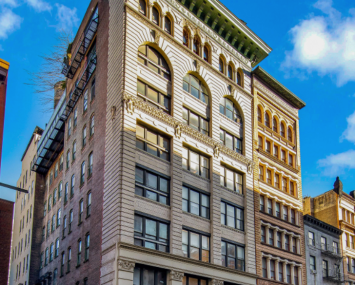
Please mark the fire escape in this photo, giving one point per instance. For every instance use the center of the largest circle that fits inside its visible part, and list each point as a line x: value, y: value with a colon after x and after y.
x: 52, y: 141
x: 334, y: 275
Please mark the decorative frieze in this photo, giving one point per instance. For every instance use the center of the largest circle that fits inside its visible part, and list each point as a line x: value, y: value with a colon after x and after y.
x: 133, y: 102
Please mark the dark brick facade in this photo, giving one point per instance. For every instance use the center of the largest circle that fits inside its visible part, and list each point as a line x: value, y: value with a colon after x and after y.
x: 6, y: 214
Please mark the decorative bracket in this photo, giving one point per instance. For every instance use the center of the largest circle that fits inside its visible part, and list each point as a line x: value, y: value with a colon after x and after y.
x: 126, y: 265
x: 176, y: 275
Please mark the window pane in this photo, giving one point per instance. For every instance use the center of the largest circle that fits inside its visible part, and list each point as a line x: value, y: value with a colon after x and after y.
x: 194, y: 121
x: 229, y: 141
x: 195, y: 82
x: 195, y: 92
x: 152, y: 94
x: 138, y: 224
x: 141, y: 88
x: 139, y: 175
x: 151, y: 137
x: 195, y: 240
x: 231, y: 250
x: 153, y: 55
x: 163, y: 231
x: 152, y: 181
x: 163, y: 185
x: 151, y: 228
x: 148, y: 277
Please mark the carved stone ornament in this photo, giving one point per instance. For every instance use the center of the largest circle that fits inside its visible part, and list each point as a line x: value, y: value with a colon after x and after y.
x: 126, y: 265
x: 198, y: 67
x: 157, y: 37
x: 129, y: 103
x: 113, y: 112
x: 232, y: 91
x: 176, y: 275
x: 178, y: 20
x: 217, y: 282
x: 178, y: 130
x: 216, y: 151
x: 250, y: 167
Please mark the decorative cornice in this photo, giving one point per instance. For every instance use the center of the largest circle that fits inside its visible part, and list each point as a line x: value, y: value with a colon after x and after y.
x: 184, y: 49
x: 125, y: 265
x: 132, y: 102
x: 176, y: 275
x: 275, y: 98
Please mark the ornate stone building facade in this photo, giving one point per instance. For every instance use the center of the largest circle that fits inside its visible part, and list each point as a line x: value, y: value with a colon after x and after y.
x: 279, y: 230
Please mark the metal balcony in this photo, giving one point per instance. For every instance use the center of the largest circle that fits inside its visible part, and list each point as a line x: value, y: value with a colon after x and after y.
x: 83, y: 79
x: 331, y: 251
x: 52, y: 140
x: 82, y: 46
x: 334, y: 276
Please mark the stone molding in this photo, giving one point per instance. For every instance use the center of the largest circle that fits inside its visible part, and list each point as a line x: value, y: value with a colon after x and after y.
x: 132, y: 102
x: 217, y: 282
x: 176, y: 275
x: 125, y: 265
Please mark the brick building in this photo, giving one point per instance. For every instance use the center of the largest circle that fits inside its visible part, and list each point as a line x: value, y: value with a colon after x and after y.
x: 27, y: 220
x: 336, y: 208
x: 4, y: 68
x: 279, y: 234
x: 6, y: 213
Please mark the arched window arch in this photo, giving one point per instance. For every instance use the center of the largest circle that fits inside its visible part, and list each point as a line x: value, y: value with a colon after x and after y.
x: 143, y: 7
x: 168, y: 25
x: 206, y: 53
x: 289, y: 134
x: 186, y: 37
x: 221, y: 65
x: 267, y: 119
x: 260, y: 115
x: 230, y: 110
x: 196, y: 45
x: 150, y: 57
x: 282, y: 130
x: 156, y: 16
x: 240, y: 77
x: 230, y: 72
x: 274, y: 124
x: 195, y: 87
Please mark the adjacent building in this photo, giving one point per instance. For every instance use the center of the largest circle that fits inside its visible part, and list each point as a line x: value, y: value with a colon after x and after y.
x: 323, y: 253
x: 6, y: 212
x: 279, y: 234
x: 27, y: 222
x: 4, y: 68
x: 336, y: 208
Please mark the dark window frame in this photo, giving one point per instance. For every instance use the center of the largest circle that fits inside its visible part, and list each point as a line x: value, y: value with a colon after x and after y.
x: 188, y: 245
x: 186, y: 116
x: 200, y: 206
x: 236, y: 258
x: 161, y: 97
x: 202, y: 91
x: 200, y: 156
x: 235, y: 140
x: 224, y: 216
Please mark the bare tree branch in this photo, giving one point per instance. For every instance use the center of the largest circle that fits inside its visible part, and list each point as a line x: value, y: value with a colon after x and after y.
x: 50, y: 72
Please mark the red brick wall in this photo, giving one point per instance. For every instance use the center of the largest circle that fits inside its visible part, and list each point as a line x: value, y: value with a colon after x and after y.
x: 6, y: 214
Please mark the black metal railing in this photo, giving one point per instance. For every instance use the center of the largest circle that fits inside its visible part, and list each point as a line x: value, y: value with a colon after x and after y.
x: 334, y: 275
x: 81, y: 48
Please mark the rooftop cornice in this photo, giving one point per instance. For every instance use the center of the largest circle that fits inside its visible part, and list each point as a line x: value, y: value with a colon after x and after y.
x: 281, y: 90
x: 312, y: 220
x: 4, y: 64
x: 224, y: 27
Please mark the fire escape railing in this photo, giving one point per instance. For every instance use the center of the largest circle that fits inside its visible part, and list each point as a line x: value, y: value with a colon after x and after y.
x: 82, y: 47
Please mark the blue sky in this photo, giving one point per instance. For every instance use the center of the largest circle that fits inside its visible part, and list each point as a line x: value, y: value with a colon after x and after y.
x: 313, y: 55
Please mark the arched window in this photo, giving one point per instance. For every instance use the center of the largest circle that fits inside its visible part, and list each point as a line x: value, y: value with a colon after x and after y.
x: 229, y: 109
x: 155, y: 16
x: 282, y: 130
x: 221, y: 65
x: 206, y: 53
x: 143, y: 7
x: 82, y: 174
x: 154, y: 60
x: 167, y: 25
x: 240, y: 77
x: 72, y: 186
x: 196, y: 45
x: 185, y: 37
x: 92, y: 125
x: 289, y: 134
x: 260, y: 119
x: 230, y: 72
x: 267, y: 119
x: 195, y: 87
x: 274, y: 124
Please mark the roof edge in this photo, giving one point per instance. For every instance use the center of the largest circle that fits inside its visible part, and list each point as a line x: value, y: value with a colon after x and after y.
x: 324, y: 225
x: 37, y: 131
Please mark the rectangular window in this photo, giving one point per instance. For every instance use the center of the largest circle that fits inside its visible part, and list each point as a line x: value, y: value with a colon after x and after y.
x: 264, y: 267
x: 79, y: 252
x: 287, y: 242
x: 279, y: 240
x: 152, y: 185
x: 46, y: 257
x: 278, y: 213
x: 144, y: 275
x: 88, y: 207
x: 192, y: 280
x: 196, y: 245
x: 195, y: 202
x: 62, y: 264
x: 195, y: 162
x: 263, y: 234
x: 262, y: 205
x: 268, y: 146
x: 231, y: 179
x: 84, y: 137
x: 277, y: 181
x: 195, y: 121
x: 93, y: 89
x: 271, y: 237
x: 348, y: 263
x: 232, y: 216
x: 292, y: 188
x: 85, y: 101
x: 288, y: 273
x: 81, y: 211
x: 285, y: 213
x: 353, y: 265
x: 233, y: 256
x: 284, y: 184
x: 311, y: 240
x: 312, y: 262
x: 153, y: 142
x: 269, y: 207
x: 290, y: 160
x: 151, y: 233
x: 283, y: 156
x: 230, y: 141
x: 69, y: 259
x: 323, y: 243
x: 325, y: 268
x: 71, y: 216
x: 335, y: 247
x: 75, y: 117
x: 268, y: 176
x: 296, y: 275
x: 281, y: 272
x: 261, y: 173
x: 276, y: 151
x: 272, y: 269
x: 154, y: 97
x: 293, y: 216
x: 294, y: 245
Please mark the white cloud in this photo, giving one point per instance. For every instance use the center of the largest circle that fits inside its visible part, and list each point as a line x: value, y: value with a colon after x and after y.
x: 9, y: 22
x: 324, y: 44
x: 1, y: 49
x: 39, y: 5
x: 12, y: 3
x: 335, y: 164
x: 349, y: 133
x: 67, y: 18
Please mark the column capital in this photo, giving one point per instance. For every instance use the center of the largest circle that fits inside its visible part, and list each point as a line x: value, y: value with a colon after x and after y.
x: 176, y: 275
x: 217, y: 282
x: 125, y: 265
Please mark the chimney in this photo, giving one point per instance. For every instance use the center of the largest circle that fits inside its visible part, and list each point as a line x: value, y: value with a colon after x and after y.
x: 338, y: 186
x: 58, y: 92
x: 352, y: 194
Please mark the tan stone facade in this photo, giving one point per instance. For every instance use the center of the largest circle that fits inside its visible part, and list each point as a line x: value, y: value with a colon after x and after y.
x: 279, y: 236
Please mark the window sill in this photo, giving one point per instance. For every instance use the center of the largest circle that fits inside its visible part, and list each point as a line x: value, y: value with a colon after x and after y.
x: 230, y: 120
x: 194, y: 98
x: 233, y: 229
x: 265, y: 213
x: 77, y: 266
x: 200, y: 177
x: 83, y: 148
x: 197, y: 217
x: 151, y: 201
x: 80, y: 224
x: 153, y: 156
x: 82, y: 185
x: 89, y: 177
x: 229, y: 190
x: 87, y: 217
x: 87, y: 260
